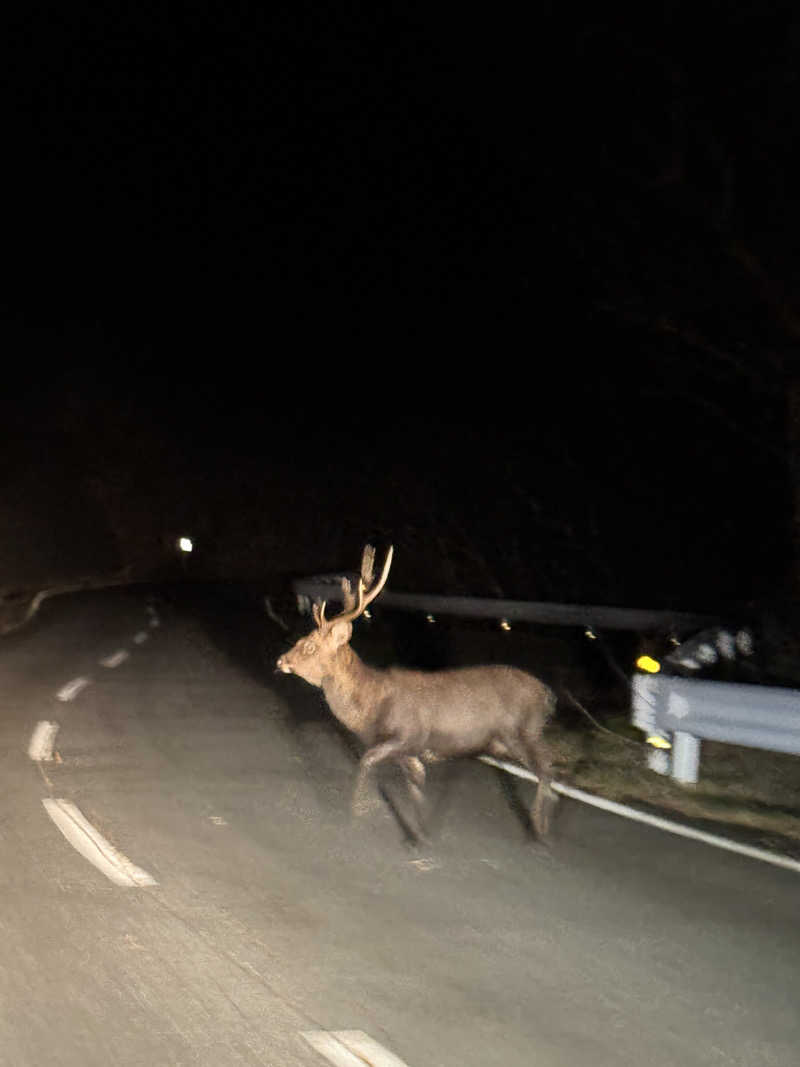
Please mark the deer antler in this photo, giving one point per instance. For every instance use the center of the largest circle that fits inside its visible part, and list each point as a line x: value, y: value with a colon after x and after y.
x: 348, y: 602
x: 368, y: 565
x: 364, y: 597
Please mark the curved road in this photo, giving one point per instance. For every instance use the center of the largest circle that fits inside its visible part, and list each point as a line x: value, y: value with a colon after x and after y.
x: 274, y: 915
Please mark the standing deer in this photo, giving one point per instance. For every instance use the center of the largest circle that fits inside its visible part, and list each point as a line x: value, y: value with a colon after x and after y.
x: 409, y: 717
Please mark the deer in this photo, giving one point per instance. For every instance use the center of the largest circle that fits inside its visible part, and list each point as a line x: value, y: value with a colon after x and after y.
x: 413, y: 717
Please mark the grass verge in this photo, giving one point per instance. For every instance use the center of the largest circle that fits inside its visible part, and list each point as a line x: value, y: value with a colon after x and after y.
x: 742, y: 792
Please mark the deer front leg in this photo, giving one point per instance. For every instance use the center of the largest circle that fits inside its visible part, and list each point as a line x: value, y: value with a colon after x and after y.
x: 386, y: 750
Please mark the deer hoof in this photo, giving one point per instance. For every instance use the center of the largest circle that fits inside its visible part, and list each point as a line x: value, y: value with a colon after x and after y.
x: 362, y: 804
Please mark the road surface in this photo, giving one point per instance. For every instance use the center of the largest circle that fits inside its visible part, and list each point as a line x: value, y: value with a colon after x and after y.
x: 274, y: 914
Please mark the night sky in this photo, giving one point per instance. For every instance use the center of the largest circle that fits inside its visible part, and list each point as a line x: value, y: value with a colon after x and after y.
x: 519, y: 294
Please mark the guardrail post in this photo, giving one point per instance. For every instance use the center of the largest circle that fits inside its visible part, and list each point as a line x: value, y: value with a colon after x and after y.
x: 685, y: 757
x: 658, y: 760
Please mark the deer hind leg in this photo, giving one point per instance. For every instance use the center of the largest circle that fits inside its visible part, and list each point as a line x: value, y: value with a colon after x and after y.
x: 545, y: 800
x: 528, y: 750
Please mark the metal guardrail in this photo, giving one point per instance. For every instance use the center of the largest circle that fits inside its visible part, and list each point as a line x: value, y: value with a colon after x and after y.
x: 327, y: 587
x: 686, y: 710
x: 18, y: 608
x: 690, y: 710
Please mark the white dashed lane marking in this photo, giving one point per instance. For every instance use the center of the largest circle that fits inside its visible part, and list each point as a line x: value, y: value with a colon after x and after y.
x: 91, y: 844
x: 80, y: 833
x: 115, y: 658
x: 42, y: 741
x: 351, y: 1048
x: 71, y: 689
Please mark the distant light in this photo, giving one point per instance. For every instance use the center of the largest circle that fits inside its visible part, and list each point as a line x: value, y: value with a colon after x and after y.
x: 185, y: 544
x: 430, y: 618
x: 659, y: 742
x: 647, y: 663
x: 505, y: 624
x: 366, y: 613
x: 589, y: 632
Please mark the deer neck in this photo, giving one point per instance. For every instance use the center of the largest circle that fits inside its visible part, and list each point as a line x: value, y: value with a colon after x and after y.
x: 350, y: 690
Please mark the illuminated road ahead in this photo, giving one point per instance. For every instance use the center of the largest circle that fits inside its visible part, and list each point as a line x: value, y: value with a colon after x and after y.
x: 273, y: 914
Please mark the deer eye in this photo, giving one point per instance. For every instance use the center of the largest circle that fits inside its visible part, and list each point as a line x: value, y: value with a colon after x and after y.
x: 310, y: 648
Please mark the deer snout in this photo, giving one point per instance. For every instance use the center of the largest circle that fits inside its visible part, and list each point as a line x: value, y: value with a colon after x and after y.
x: 282, y: 665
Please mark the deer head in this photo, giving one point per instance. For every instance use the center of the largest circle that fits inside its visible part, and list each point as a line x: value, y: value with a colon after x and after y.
x: 314, y: 657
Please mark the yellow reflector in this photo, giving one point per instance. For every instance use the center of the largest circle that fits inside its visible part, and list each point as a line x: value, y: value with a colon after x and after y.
x: 658, y: 742
x: 647, y: 663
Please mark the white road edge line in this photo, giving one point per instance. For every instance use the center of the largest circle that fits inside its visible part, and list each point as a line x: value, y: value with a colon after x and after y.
x: 351, y: 1048
x: 71, y: 689
x: 140, y: 637
x: 42, y: 740
x: 652, y: 820
x: 115, y: 658
x: 93, y: 846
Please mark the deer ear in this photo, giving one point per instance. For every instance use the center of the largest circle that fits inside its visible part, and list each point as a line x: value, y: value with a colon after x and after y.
x: 340, y: 633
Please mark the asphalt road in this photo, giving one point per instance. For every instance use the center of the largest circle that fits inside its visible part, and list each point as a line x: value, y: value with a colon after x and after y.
x: 276, y: 914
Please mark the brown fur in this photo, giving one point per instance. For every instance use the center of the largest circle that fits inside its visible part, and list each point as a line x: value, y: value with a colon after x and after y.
x: 410, y: 717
